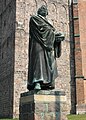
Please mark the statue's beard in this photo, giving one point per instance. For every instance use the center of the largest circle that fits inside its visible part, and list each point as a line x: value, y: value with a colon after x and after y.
x: 43, y: 13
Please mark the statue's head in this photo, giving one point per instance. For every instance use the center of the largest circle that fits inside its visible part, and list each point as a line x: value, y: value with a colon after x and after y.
x: 43, y: 11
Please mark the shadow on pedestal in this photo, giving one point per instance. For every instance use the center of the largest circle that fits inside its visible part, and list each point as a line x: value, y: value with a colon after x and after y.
x: 43, y: 105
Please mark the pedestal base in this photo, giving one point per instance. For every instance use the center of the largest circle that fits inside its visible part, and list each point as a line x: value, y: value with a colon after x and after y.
x: 81, y: 109
x: 43, y: 105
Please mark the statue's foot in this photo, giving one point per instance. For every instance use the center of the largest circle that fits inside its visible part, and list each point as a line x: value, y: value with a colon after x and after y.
x: 51, y: 87
x: 37, y: 86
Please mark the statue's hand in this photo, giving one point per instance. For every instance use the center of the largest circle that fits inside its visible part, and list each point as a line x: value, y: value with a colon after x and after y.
x: 59, y: 37
x: 58, y: 33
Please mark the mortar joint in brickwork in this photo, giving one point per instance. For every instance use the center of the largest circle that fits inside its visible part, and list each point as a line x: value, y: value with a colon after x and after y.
x: 79, y: 77
x: 46, y: 105
x: 75, y: 17
x: 76, y: 35
x: 42, y: 116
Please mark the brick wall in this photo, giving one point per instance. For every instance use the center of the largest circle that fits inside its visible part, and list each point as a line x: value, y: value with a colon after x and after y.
x: 58, y: 15
x: 82, y: 18
x: 78, y: 58
x: 79, y: 50
x: 80, y: 54
x: 82, y: 22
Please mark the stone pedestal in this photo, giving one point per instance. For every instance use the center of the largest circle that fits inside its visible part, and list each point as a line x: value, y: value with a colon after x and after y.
x: 81, y: 109
x: 43, y: 105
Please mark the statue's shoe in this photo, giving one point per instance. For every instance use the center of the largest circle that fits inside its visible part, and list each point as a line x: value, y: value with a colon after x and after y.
x: 37, y: 86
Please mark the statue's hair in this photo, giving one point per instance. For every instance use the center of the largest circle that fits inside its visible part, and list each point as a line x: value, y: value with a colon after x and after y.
x: 41, y: 10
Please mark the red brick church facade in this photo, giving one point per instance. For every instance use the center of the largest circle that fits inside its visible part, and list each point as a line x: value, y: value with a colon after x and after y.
x: 78, y: 55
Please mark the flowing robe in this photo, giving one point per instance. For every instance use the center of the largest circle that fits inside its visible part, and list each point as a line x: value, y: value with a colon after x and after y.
x: 42, y: 64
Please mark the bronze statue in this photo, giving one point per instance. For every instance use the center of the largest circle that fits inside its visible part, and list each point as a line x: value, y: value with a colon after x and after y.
x: 44, y: 47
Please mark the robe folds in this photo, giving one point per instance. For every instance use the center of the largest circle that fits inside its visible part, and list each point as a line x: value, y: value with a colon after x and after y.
x: 42, y: 64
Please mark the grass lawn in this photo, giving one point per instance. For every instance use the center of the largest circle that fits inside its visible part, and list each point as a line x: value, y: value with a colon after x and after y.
x: 70, y: 117
x: 9, y: 119
x: 77, y: 117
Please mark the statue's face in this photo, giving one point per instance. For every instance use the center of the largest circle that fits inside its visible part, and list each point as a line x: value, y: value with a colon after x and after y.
x: 43, y: 11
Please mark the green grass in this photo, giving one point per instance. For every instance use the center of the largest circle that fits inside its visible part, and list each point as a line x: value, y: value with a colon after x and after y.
x: 9, y: 119
x: 70, y: 117
x: 77, y: 117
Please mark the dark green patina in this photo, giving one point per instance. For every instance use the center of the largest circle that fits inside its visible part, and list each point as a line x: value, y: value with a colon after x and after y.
x: 44, y: 47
